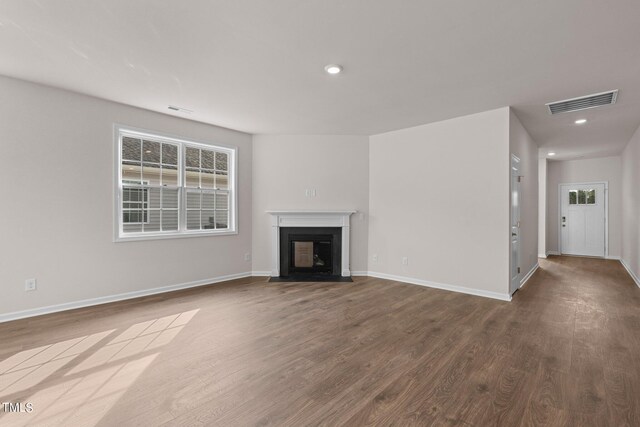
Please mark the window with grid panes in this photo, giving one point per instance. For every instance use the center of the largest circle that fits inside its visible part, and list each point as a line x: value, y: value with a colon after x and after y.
x: 207, y: 188
x: 170, y: 188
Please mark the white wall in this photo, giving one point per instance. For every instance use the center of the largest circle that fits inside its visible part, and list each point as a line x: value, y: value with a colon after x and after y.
x: 525, y: 148
x: 542, y: 207
x: 337, y: 167
x: 631, y: 205
x: 439, y: 195
x: 57, y: 215
x: 586, y: 170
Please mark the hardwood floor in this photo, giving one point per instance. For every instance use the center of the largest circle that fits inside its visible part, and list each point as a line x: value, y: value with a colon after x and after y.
x: 565, y: 351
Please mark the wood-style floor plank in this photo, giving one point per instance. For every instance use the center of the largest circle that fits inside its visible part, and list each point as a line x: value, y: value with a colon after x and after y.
x: 564, y: 352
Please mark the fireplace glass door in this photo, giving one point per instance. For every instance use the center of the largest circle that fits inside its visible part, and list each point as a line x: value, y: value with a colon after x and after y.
x: 311, y: 255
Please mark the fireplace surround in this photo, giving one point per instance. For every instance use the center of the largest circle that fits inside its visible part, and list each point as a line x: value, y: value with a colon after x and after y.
x: 311, y: 226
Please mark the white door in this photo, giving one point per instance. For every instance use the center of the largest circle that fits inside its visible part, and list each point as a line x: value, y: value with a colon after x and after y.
x: 515, y: 224
x: 582, y: 219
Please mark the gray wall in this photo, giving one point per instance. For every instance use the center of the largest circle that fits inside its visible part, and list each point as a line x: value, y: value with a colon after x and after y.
x: 631, y: 205
x: 336, y: 166
x: 57, y: 216
x: 439, y: 195
x: 542, y: 207
x: 524, y: 147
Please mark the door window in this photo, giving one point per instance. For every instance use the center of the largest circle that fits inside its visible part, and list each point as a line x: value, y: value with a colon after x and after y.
x: 582, y: 197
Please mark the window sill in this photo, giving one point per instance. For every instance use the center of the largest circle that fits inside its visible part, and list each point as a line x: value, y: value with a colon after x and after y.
x: 162, y: 236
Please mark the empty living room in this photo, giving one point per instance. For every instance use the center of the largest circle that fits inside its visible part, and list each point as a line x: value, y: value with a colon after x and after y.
x: 320, y: 213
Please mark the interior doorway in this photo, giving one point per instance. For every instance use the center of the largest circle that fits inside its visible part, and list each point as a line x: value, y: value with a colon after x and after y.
x: 514, y: 283
x: 583, y: 219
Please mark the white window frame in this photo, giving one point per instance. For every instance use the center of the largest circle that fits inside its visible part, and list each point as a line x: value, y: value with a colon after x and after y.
x: 119, y: 236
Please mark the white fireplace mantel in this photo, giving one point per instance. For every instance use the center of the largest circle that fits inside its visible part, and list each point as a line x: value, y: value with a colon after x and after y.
x: 301, y: 218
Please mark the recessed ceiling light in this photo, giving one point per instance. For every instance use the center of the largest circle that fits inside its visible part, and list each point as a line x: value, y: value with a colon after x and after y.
x: 551, y: 153
x: 333, y: 69
x: 581, y: 121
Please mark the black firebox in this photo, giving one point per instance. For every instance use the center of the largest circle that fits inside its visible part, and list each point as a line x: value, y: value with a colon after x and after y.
x: 310, y: 251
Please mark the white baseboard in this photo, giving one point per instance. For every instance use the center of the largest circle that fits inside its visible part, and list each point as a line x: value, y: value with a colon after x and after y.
x: 553, y: 253
x: 542, y: 255
x: 113, y: 298
x: 265, y: 273
x: 617, y: 258
x: 454, y: 288
x: 631, y: 273
x: 523, y: 281
x: 359, y: 273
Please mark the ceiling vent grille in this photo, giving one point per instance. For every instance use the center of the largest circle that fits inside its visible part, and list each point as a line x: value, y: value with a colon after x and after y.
x: 179, y: 109
x: 583, y: 102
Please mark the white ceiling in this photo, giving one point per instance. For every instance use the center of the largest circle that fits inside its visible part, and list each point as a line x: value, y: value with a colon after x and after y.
x: 257, y: 66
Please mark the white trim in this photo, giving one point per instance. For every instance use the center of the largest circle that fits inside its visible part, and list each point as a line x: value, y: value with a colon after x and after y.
x: 616, y: 258
x: 528, y: 275
x: 261, y: 273
x: 453, y: 288
x: 306, y: 218
x: 174, y: 235
x: 553, y: 253
x: 606, y: 213
x: 542, y: 255
x: 118, y: 297
x: 311, y: 212
x: 359, y: 273
x: 631, y: 273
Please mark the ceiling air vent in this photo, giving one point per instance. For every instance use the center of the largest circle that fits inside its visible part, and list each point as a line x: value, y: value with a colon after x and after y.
x: 179, y: 109
x: 583, y: 102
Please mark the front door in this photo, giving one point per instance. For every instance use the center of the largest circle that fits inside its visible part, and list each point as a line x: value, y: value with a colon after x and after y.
x: 582, y: 219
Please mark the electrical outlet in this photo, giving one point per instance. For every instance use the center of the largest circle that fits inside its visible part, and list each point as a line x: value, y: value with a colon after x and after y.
x: 247, y: 256
x: 375, y: 257
x: 405, y: 261
x: 30, y: 285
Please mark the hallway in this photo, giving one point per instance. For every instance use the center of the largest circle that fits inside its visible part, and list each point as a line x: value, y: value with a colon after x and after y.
x: 584, y: 315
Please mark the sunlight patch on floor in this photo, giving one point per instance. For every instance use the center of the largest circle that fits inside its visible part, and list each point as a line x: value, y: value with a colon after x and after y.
x: 86, y: 392
x: 138, y: 338
x: 30, y: 367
